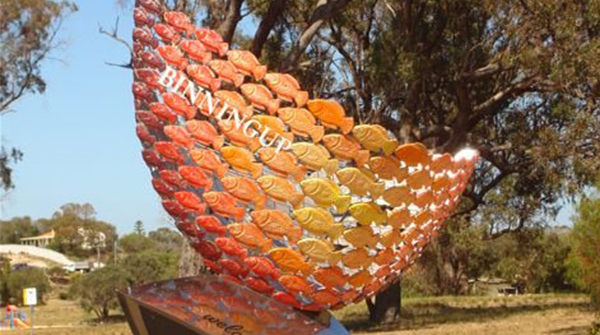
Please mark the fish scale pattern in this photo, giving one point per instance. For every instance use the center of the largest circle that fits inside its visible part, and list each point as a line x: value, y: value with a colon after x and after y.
x: 304, y: 205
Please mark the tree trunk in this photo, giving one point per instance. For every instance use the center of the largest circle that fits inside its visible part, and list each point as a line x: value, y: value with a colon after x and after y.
x: 190, y: 263
x: 387, y: 305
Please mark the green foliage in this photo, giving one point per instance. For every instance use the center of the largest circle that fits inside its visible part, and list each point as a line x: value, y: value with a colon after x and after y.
x: 136, y: 243
x: 150, y: 266
x: 166, y: 239
x: 11, y: 231
x: 139, y: 228
x: 96, y: 290
x: 24, y: 278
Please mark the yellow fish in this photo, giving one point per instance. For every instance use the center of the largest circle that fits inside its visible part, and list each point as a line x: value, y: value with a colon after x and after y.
x: 391, y: 238
x: 396, y: 196
x: 368, y: 212
x: 290, y: 260
x: 331, y: 114
x: 315, y: 157
x: 242, y: 160
x: 281, y: 189
x: 375, y: 138
x: 360, y: 183
x: 358, y: 258
x: 387, y: 168
x: 361, y: 237
x: 346, y: 148
x: 326, y: 193
x: 400, y: 218
x: 360, y: 279
x: 319, y: 251
x: 319, y: 222
x: 413, y: 154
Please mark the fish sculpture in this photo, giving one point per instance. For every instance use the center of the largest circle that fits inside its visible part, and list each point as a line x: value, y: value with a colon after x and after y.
x: 276, y: 224
x: 318, y: 221
x: 236, y: 101
x: 281, y: 189
x: 319, y: 251
x: 212, y: 225
x: 326, y: 193
x: 141, y: 18
x: 196, y: 177
x: 144, y: 135
x: 152, y: 59
x: 179, y: 105
x: 180, y: 22
x: 230, y: 246
x: 315, y: 157
x: 331, y: 277
x: 296, y: 284
x: 169, y: 151
x: 368, y: 212
x: 346, y: 148
x: 180, y: 136
x: 331, y: 114
x: 287, y: 88
x: 163, y: 111
x: 205, y: 133
x: 263, y: 267
x: 275, y: 127
x: 226, y: 71
x: 361, y: 236
x: 237, y: 136
x: 247, y: 63
x: 398, y: 196
x: 209, y: 161
x: 224, y: 204
x: 360, y: 183
x: 173, y: 56
x: 358, y: 258
x: 167, y: 33
x: 302, y: 123
x: 413, y: 154
x: 283, y: 163
x: 203, y: 76
x: 261, y: 97
x: 400, y: 218
x: 290, y: 260
x: 375, y: 138
x: 250, y: 235
x: 212, y: 41
x: 245, y: 190
x: 242, y: 160
x: 387, y: 168
x: 196, y: 51
x: 191, y: 201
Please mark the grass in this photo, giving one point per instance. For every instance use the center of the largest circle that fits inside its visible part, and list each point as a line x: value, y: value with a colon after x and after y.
x: 533, y: 314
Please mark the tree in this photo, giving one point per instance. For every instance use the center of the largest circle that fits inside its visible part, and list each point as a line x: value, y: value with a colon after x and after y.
x: 96, y: 290
x: 139, y: 228
x: 166, y: 239
x: 135, y: 243
x: 28, y: 32
x: 11, y: 231
x: 150, y: 266
x: 24, y: 278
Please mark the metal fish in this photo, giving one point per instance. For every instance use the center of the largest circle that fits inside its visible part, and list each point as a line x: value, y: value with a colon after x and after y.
x: 315, y: 157
x: 318, y: 221
x: 237, y: 136
x: 287, y: 88
x: 284, y: 163
x: 224, y: 204
x: 400, y: 218
x: 234, y: 267
x: 261, y: 97
x: 153, y: 6
x: 368, y: 212
x: 150, y: 77
x: 419, y: 179
x: 173, y: 56
x: 242, y: 160
x: 346, y: 148
x: 319, y: 251
x: 179, y: 21
x: 231, y: 247
x: 281, y: 189
x: 172, y: 178
x: 179, y: 135
x: 145, y: 37
x: 167, y: 33
x: 209, y: 161
x: 226, y: 71
x: 212, y: 41
x: 442, y: 163
x: 259, y: 285
x: 212, y: 225
x: 290, y: 260
x: 413, y: 154
x: 275, y: 125
x: 360, y: 183
x: 361, y: 237
x: 358, y: 258
x: 144, y: 134
x: 180, y: 105
x: 276, y: 224
x: 302, y: 123
x: 385, y: 256
x: 208, y: 250
x: 326, y: 193
x: 387, y: 168
x: 246, y: 190
x: 391, y: 238
x: 398, y: 196
x: 236, y: 101
x: 375, y: 138
x: 162, y: 188
x: 332, y: 277
x: 190, y: 200
x: 152, y: 59
x: 163, y: 111
x: 262, y: 266
x: 247, y: 63
x: 296, y: 285
x: 249, y: 234
x: 152, y: 158
x: 141, y: 17
x: 174, y: 208
x: 331, y: 114
x: 203, y: 76
x: 169, y: 151
x: 325, y: 298
x: 196, y: 177
x: 196, y: 50
x: 205, y: 133
x: 142, y: 92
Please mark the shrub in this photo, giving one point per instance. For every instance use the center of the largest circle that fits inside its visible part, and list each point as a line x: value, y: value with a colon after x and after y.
x: 28, y: 277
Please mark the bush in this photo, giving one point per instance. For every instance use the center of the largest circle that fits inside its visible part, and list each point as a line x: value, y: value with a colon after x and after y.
x: 63, y: 296
x: 28, y: 277
x: 147, y: 267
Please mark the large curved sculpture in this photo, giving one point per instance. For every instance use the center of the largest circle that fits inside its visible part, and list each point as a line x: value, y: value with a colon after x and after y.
x: 276, y: 190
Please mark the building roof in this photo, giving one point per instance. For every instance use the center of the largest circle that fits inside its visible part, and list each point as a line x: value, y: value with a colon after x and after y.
x: 45, y: 236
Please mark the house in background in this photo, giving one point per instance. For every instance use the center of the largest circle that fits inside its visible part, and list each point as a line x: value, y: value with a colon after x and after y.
x: 41, y: 241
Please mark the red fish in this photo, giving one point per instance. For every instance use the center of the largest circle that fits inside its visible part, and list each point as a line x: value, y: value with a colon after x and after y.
x: 191, y: 201
x: 224, y: 204
x: 162, y: 188
x: 144, y: 135
x: 179, y: 135
x: 148, y: 119
x: 144, y: 36
x: 174, y: 208
x: 189, y: 229
x: 142, y: 92
x: 153, y: 6
x: 263, y: 267
x: 152, y: 59
x: 172, y: 178
x: 152, y: 158
x: 259, y: 285
x: 205, y: 133
x: 231, y: 247
x: 234, y: 267
x: 163, y: 111
x: 213, y: 267
x: 212, y: 41
x: 137, y: 47
x: 179, y: 21
x: 150, y: 77
x: 141, y: 17
x: 212, y: 225
x: 196, y: 177
x: 227, y: 71
x: 196, y: 50
x: 209, y: 161
x: 208, y: 250
x: 167, y: 33
x: 204, y: 77
x: 180, y: 105
x: 287, y: 299
x: 173, y: 56
x: 169, y: 151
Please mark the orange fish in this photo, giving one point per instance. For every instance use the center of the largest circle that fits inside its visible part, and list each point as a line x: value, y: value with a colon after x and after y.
x: 284, y: 163
x: 419, y: 179
x: 179, y: 21
x: 205, y: 133
x: 231, y: 247
x: 332, y: 277
x: 290, y: 260
x: 347, y: 148
x: 167, y: 33
x: 295, y: 285
x: 275, y: 125
x: 224, y: 204
x: 179, y: 135
x: 262, y: 266
x: 400, y: 218
x: 360, y: 278
x: 209, y: 161
x: 180, y: 105
x: 302, y: 123
x: 227, y: 71
x: 204, y: 77
x: 413, y: 154
x: 384, y: 257
x: 315, y: 157
x: 276, y: 224
x: 212, y: 41
x: 246, y: 190
x: 195, y: 50
x: 247, y: 63
x: 250, y: 235
x: 281, y: 189
x: 287, y: 88
x: 173, y: 56
x: 196, y: 177
x: 387, y: 168
x: 261, y: 97
x: 242, y: 160
x: 261, y: 286
x: 212, y: 225
x: 237, y: 136
x: 236, y: 101
x: 191, y: 201
x: 398, y: 195
x: 325, y: 298
x: 169, y: 150
x: 331, y: 114
x: 442, y: 163
x: 391, y: 238
x: 358, y: 258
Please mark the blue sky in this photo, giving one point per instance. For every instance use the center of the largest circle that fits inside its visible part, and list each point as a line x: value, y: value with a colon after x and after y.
x: 79, y: 136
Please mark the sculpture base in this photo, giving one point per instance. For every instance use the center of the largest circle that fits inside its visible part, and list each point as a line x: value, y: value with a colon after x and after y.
x: 209, y: 305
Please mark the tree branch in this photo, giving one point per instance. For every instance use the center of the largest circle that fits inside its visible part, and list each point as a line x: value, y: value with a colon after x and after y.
x: 232, y: 18
x: 275, y: 11
x: 114, y: 34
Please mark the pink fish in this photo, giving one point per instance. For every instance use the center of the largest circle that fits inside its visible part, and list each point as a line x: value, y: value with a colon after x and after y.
x: 167, y: 33
x: 144, y: 36
x: 150, y: 77
x: 180, y: 105
x: 153, y: 6
x: 141, y: 18
x: 179, y: 135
